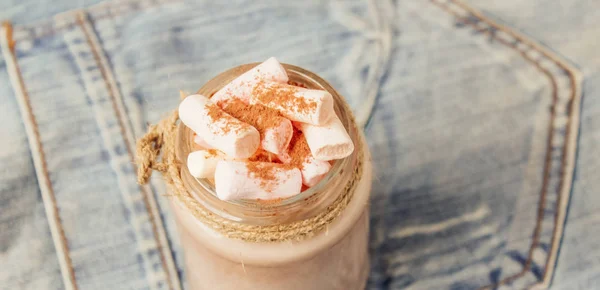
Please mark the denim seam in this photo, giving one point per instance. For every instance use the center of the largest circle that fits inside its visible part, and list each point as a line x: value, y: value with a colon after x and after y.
x: 105, y: 115
x: 39, y: 159
x: 77, y: 43
x: 127, y: 133
x: 570, y: 143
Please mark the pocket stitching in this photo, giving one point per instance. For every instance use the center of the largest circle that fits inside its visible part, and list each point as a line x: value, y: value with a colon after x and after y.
x: 570, y: 144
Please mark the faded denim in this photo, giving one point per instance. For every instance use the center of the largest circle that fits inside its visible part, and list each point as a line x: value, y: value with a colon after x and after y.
x: 475, y: 132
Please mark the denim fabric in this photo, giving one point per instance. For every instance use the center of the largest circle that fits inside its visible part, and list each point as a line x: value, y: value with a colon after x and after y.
x: 472, y: 134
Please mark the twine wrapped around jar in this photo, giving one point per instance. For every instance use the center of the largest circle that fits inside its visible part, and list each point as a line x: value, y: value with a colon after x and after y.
x: 156, y: 151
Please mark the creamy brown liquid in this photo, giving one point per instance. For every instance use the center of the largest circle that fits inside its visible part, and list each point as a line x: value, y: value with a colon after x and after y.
x: 334, y: 259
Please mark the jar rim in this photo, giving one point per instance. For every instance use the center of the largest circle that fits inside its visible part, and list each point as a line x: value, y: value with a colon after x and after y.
x: 185, y: 144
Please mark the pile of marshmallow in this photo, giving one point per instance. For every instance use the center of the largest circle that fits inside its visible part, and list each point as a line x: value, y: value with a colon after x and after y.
x: 227, y: 143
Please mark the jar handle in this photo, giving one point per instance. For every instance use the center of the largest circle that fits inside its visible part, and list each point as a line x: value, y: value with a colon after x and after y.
x: 151, y: 147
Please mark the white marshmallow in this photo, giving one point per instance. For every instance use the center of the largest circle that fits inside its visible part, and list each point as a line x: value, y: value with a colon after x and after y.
x: 327, y: 142
x: 202, y: 163
x: 228, y: 134
x: 277, y: 138
x: 200, y: 142
x: 284, y: 157
x: 292, y: 102
x: 312, y: 170
x: 242, y: 86
x: 234, y: 181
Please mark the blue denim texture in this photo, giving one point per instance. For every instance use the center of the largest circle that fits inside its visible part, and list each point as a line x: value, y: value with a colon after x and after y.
x: 469, y: 133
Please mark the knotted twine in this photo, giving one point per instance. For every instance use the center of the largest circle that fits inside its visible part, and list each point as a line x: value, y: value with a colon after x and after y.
x: 156, y: 151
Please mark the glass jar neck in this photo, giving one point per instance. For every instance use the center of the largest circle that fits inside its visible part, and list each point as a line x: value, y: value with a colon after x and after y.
x: 302, y: 206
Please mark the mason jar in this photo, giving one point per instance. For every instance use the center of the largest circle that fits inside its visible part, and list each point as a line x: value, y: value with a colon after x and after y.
x: 317, y: 239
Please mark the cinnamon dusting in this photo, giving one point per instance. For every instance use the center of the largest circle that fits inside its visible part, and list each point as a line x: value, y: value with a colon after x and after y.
x: 263, y: 156
x: 298, y: 149
x: 258, y: 116
x: 219, y: 116
x: 212, y: 152
x: 265, y: 172
x: 282, y: 95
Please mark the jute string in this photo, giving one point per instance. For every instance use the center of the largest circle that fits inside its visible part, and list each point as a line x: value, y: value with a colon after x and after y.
x: 156, y: 151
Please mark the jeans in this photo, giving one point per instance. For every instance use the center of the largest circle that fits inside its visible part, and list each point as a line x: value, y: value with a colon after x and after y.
x: 479, y: 136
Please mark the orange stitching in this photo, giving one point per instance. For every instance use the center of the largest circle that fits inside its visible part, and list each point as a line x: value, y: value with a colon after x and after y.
x: 9, y: 35
x: 80, y: 22
x: 548, y: 157
x: 38, y: 142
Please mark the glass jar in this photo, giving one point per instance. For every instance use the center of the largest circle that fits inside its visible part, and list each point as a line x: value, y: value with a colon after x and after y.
x: 335, y: 257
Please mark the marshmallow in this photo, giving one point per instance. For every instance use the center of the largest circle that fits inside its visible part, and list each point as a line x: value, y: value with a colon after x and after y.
x: 200, y: 142
x: 327, y: 142
x: 237, y: 180
x: 295, y: 103
x: 219, y: 129
x: 312, y: 170
x: 284, y: 157
x: 202, y: 163
x: 242, y: 86
x: 276, y: 138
